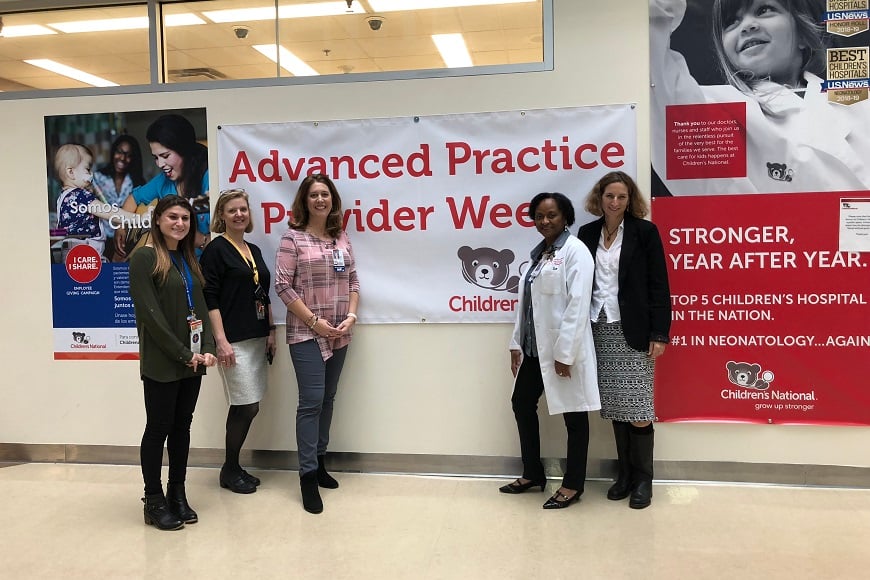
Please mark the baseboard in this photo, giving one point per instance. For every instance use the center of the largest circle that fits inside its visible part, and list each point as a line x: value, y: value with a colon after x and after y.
x: 456, y: 465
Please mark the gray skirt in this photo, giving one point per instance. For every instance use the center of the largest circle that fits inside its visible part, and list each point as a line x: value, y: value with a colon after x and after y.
x: 625, y: 376
x: 245, y: 383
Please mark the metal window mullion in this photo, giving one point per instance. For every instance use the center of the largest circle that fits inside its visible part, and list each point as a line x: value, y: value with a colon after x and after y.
x: 155, y: 43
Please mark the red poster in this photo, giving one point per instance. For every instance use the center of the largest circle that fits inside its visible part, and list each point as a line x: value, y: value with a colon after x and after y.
x: 770, y: 319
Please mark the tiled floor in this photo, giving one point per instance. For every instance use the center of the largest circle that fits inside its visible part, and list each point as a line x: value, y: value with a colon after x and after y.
x: 85, y: 521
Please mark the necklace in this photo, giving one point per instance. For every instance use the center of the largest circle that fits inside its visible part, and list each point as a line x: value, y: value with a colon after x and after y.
x: 610, y: 234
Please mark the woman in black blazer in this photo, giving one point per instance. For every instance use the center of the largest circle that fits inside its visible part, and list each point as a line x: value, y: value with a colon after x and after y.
x: 631, y: 314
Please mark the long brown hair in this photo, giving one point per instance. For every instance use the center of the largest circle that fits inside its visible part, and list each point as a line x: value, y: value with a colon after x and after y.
x: 637, y: 205
x: 187, y: 246
x: 299, y: 220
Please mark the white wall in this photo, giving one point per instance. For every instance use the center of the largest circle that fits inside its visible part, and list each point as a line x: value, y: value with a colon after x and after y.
x: 431, y: 389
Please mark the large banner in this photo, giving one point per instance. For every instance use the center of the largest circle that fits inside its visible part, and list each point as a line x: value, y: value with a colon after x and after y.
x: 770, y: 290
x: 436, y: 207
x: 96, y: 163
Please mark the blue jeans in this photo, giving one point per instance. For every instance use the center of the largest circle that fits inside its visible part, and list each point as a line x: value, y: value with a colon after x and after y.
x: 318, y: 382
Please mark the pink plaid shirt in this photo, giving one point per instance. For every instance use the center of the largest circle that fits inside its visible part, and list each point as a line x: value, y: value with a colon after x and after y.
x: 304, y: 271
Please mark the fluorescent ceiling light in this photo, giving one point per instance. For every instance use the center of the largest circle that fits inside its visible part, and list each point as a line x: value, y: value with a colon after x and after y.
x: 185, y: 19
x: 309, y: 10
x: 116, y: 24
x: 286, y: 59
x: 26, y: 30
x: 453, y: 50
x: 107, y: 25
x: 396, y: 5
x: 71, y: 72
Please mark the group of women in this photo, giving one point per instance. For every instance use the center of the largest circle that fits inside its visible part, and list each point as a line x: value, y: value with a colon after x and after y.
x: 194, y: 313
x: 593, y: 316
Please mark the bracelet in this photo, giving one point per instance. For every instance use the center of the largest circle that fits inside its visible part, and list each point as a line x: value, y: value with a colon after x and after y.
x: 314, y: 323
x: 310, y: 320
x: 352, y: 315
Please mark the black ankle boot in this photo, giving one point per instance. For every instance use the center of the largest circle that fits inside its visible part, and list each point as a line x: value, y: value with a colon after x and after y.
x: 157, y: 513
x: 323, y: 478
x: 176, y: 499
x: 642, y: 466
x: 310, y: 494
x: 622, y: 487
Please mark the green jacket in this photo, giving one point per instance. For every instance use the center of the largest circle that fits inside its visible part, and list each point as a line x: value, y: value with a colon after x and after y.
x: 161, y: 319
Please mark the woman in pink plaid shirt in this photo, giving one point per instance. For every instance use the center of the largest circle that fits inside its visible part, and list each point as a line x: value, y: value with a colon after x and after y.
x: 315, y: 276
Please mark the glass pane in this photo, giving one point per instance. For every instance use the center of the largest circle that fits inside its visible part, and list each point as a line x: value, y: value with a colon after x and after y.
x: 109, y: 43
x: 213, y: 40
x: 368, y: 41
x: 235, y: 39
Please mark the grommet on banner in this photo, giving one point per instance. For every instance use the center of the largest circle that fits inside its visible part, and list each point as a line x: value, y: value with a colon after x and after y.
x: 770, y: 421
x: 416, y: 119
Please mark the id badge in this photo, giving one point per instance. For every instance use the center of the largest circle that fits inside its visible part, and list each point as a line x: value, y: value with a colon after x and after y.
x: 261, y: 309
x: 338, y: 260
x: 195, y: 335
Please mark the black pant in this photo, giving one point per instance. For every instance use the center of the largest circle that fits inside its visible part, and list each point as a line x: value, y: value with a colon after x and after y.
x: 528, y: 389
x: 169, y: 412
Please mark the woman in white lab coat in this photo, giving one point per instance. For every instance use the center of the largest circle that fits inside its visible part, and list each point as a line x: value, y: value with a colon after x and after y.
x: 552, y: 350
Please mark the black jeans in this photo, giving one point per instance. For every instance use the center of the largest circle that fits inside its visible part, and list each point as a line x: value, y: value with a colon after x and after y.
x: 169, y: 412
x: 528, y: 389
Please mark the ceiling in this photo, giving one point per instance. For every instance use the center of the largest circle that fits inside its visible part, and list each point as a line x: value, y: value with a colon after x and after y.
x: 498, y: 34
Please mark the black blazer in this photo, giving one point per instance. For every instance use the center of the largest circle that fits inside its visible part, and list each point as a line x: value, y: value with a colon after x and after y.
x: 644, y: 296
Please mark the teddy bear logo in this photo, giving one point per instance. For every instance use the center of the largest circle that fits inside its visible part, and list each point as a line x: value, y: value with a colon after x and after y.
x: 489, y: 268
x: 749, y: 375
x: 81, y: 337
x: 779, y: 171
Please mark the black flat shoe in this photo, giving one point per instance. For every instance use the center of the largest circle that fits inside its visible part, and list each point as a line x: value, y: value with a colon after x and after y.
x: 236, y: 483
x: 561, y: 501
x: 252, y: 478
x: 518, y: 487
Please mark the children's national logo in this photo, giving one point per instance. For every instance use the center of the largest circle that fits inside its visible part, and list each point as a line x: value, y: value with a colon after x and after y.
x: 489, y: 268
x: 749, y: 375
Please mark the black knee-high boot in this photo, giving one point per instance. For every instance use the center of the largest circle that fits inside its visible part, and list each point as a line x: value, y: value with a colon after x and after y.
x: 622, y: 487
x: 641, y: 453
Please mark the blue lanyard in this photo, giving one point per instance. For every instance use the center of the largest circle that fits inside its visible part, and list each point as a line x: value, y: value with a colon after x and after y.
x: 187, y: 279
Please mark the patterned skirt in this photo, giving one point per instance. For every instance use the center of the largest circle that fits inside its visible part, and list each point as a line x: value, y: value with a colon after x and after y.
x: 625, y: 375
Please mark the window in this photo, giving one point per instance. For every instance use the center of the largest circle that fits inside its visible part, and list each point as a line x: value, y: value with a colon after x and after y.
x: 221, y: 41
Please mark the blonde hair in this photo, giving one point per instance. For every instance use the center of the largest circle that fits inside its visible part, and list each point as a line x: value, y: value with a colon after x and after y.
x: 218, y: 224
x: 70, y: 156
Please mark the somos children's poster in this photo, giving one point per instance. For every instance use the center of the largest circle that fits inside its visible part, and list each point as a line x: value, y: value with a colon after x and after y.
x: 102, y: 180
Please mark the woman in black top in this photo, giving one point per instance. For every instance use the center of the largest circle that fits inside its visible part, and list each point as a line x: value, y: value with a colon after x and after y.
x: 238, y: 306
x: 631, y: 319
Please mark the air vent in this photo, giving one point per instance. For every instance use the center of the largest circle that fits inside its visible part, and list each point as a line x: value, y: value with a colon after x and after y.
x: 204, y: 73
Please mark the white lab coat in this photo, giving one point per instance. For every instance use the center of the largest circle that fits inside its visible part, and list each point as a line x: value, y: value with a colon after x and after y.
x: 824, y: 146
x: 560, y: 300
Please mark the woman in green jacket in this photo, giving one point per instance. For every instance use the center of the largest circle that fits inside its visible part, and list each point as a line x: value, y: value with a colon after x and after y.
x: 175, y: 346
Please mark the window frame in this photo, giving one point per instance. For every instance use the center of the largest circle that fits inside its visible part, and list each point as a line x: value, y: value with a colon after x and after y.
x: 156, y: 61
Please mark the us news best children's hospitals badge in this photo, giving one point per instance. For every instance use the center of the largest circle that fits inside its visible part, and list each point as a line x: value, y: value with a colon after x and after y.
x: 848, y: 78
